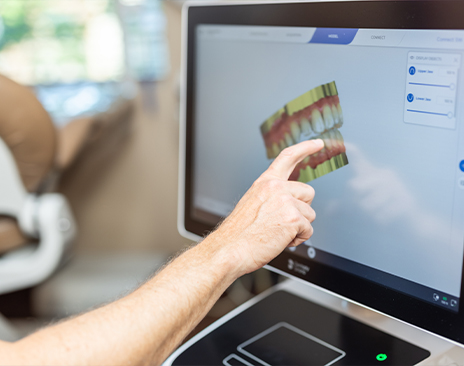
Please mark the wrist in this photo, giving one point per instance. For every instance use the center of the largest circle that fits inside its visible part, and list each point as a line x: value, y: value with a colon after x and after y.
x: 224, y: 257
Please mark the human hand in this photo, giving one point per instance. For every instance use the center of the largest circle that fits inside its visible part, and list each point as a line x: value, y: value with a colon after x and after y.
x: 273, y: 214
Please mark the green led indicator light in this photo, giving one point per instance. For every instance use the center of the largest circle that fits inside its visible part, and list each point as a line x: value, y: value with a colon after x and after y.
x: 381, y: 357
x: 445, y: 298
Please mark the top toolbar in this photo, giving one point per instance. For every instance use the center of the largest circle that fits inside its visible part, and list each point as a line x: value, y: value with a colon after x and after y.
x: 441, y: 39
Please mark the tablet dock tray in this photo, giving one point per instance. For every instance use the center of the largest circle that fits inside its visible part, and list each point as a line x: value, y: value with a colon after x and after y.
x: 284, y: 329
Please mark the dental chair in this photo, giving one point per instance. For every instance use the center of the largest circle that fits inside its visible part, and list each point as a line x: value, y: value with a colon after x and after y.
x: 36, y: 227
x: 37, y: 155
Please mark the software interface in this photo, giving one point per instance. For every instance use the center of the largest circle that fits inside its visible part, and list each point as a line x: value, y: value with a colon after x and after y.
x: 390, y: 181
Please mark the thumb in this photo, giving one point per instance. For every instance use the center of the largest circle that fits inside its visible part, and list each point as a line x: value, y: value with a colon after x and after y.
x: 288, y: 159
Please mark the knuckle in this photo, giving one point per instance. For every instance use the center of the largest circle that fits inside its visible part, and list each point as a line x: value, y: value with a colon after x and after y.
x: 274, y: 184
x: 270, y: 189
x: 285, y: 200
x: 270, y: 186
x: 293, y: 216
x: 258, y: 186
x: 288, y: 151
x: 257, y: 182
x: 313, y: 214
x: 305, y: 237
x: 311, y: 191
x: 307, y: 233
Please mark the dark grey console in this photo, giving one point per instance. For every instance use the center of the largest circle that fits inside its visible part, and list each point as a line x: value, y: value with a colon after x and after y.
x: 284, y: 329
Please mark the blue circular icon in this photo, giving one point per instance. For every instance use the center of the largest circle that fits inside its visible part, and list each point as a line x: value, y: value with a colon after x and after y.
x: 412, y: 70
x: 461, y: 165
x: 410, y: 97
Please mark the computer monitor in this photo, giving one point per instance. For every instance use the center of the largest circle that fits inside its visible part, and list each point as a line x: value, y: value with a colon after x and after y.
x: 380, y: 83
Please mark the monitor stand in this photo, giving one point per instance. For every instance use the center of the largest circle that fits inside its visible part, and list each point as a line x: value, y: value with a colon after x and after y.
x: 296, y: 324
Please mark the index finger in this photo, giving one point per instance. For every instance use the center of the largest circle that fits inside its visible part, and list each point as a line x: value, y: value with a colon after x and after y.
x: 285, y: 163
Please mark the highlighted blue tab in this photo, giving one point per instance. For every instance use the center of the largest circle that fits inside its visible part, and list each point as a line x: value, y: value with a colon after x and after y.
x: 334, y: 35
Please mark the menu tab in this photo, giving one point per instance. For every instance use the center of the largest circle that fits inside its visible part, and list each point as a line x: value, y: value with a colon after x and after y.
x: 334, y: 35
x: 378, y: 37
x: 444, y: 39
x: 256, y: 33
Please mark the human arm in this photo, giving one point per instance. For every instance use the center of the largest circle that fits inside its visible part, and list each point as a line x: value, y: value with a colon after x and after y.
x: 145, y: 326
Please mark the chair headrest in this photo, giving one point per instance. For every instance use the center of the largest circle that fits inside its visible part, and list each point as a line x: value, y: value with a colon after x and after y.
x: 28, y: 131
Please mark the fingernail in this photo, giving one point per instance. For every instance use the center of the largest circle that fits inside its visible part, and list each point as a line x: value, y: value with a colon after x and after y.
x: 319, y: 142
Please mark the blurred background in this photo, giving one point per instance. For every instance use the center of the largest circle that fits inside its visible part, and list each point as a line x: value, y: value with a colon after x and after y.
x: 108, y: 73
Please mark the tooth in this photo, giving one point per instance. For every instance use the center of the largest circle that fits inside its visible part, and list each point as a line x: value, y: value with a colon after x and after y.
x: 288, y: 139
x: 282, y: 145
x: 316, y: 121
x: 305, y: 127
x: 296, y: 132
x: 334, y: 138
x: 340, y: 115
x: 335, y: 114
x: 328, y: 117
x: 339, y: 136
x: 341, y: 145
x: 327, y: 140
x: 323, y: 154
x: 275, y: 150
x: 306, y: 160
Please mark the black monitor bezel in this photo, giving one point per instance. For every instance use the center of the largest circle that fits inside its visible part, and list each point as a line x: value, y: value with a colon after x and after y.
x: 441, y: 14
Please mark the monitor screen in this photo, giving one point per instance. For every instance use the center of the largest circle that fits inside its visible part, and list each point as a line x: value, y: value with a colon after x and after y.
x: 384, y: 98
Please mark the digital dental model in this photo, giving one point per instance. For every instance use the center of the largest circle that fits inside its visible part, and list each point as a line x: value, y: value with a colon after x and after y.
x: 315, y: 114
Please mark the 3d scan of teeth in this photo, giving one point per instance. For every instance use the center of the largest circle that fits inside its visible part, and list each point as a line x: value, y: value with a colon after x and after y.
x: 315, y: 114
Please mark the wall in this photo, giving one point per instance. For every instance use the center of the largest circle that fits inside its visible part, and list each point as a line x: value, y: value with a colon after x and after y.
x: 129, y: 200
